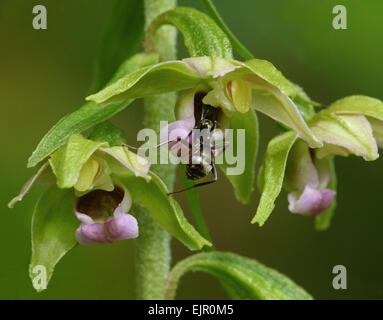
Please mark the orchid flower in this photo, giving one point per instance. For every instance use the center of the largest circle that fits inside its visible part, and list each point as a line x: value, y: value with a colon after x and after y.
x: 100, y: 203
x: 350, y: 126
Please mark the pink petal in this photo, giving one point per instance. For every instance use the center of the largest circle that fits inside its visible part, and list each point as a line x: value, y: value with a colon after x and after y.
x: 311, y: 202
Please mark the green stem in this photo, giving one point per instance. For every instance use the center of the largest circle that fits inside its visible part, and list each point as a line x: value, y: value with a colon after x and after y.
x: 237, y: 45
x: 153, y: 255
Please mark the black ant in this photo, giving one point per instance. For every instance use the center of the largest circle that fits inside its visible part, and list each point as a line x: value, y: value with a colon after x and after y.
x: 200, y: 152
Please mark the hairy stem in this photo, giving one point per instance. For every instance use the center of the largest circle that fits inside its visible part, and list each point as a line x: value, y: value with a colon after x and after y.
x: 153, y: 256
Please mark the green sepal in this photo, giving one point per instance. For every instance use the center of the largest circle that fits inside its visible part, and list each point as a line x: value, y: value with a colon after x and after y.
x: 268, y: 72
x: 274, y: 167
x: 160, y: 78
x: 67, y: 161
x: 243, y: 184
x: 246, y: 278
x: 53, y: 234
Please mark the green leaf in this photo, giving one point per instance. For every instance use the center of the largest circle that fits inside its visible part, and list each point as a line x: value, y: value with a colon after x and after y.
x: 357, y: 105
x: 122, y: 36
x: 274, y: 171
x: 53, y: 234
x: 202, y: 36
x: 107, y: 132
x: 247, y: 278
x: 153, y: 196
x: 243, y: 184
x: 322, y: 222
x: 87, y: 116
x: 67, y: 161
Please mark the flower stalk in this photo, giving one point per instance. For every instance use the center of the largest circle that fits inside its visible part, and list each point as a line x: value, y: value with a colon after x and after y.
x: 153, y: 256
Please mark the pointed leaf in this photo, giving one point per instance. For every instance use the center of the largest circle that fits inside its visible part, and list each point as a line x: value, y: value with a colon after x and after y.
x: 153, y: 196
x: 87, y: 116
x: 247, y: 278
x: 243, y: 184
x: 67, y: 161
x: 201, y: 34
x: 53, y: 234
x: 322, y: 222
x: 273, y: 174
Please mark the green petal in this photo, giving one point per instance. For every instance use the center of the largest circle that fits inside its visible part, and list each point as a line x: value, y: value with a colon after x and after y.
x: 67, y: 161
x: 270, y: 101
x: 274, y: 171
x: 243, y: 184
x: 352, y: 132
x: 246, y: 278
x: 53, y: 234
x: 153, y: 196
x: 300, y: 169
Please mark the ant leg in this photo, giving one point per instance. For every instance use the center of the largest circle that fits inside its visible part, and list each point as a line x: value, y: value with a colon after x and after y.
x: 154, y: 147
x: 215, y: 178
x: 160, y: 145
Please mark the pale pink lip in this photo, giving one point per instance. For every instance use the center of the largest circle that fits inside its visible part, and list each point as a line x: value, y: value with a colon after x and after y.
x: 95, y: 227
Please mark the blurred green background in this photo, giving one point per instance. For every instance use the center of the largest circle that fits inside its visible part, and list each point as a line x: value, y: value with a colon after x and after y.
x: 46, y: 74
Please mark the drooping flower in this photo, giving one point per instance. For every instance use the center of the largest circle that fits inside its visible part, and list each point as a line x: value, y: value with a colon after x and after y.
x: 350, y: 126
x: 228, y: 84
x: 101, y: 203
